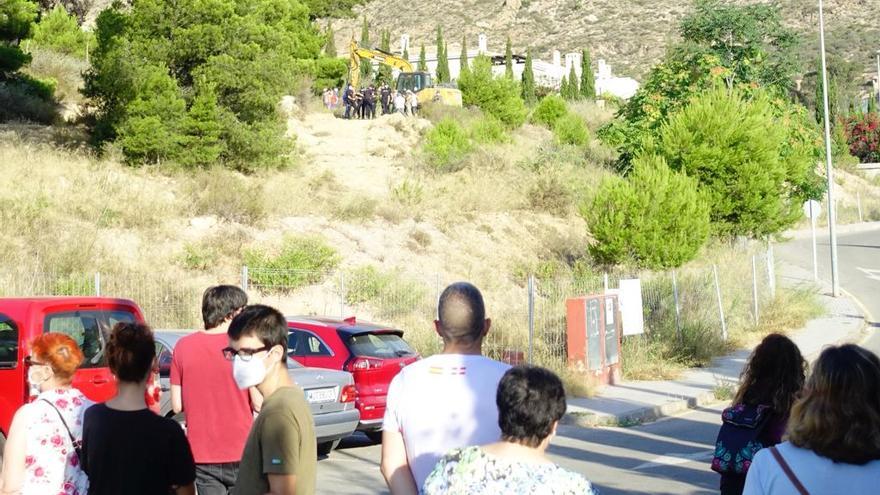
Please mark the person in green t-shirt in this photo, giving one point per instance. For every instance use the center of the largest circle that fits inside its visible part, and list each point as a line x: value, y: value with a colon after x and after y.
x: 280, y: 455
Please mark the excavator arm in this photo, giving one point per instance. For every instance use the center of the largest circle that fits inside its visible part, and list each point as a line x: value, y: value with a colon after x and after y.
x: 356, y: 53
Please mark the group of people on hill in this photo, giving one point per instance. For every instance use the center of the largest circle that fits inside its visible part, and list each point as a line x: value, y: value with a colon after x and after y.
x: 456, y: 422
x: 362, y: 103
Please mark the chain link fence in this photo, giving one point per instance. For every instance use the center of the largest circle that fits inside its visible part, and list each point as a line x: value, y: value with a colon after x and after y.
x: 528, y: 320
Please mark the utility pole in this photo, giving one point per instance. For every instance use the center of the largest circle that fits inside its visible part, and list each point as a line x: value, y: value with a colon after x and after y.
x: 878, y: 77
x: 829, y: 170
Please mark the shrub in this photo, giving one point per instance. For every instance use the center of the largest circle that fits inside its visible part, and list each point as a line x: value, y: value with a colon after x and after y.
x: 60, y: 31
x: 656, y: 217
x: 498, y: 97
x: 24, y: 98
x: 550, y: 109
x: 488, y: 130
x: 550, y: 194
x: 227, y: 195
x: 299, y: 262
x: 571, y: 129
x: 863, y: 136
x: 446, y: 145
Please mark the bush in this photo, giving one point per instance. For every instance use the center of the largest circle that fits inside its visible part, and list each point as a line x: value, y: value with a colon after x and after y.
x: 488, y: 130
x: 446, y: 145
x: 227, y: 195
x: 299, y: 262
x: 549, y: 110
x: 571, y: 129
x: 863, y: 136
x: 498, y: 97
x: 59, y: 31
x: 24, y: 98
x: 656, y: 217
x: 550, y: 194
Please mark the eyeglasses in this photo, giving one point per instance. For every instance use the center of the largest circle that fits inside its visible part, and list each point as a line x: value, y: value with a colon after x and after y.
x: 29, y: 361
x: 245, y: 354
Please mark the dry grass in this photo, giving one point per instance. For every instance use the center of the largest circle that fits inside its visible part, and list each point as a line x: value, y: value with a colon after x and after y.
x: 65, y: 70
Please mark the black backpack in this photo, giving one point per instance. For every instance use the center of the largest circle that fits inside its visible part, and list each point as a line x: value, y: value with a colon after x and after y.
x: 741, y: 436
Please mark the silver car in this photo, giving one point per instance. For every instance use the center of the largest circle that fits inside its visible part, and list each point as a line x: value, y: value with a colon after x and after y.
x: 331, y: 393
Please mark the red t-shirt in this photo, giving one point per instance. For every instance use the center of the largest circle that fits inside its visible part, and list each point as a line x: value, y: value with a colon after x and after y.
x: 218, y: 413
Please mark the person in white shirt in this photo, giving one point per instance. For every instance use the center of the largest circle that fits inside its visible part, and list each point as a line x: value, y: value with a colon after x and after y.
x: 444, y: 401
x: 833, y: 442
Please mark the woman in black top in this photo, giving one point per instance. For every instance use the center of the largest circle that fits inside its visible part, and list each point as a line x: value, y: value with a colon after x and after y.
x: 126, y: 447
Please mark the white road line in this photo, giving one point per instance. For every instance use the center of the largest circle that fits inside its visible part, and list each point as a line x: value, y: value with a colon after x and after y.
x: 676, y: 459
x: 871, y: 273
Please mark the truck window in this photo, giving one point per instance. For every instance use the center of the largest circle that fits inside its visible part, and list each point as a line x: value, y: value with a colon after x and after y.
x: 8, y: 342
x: 89, y: 329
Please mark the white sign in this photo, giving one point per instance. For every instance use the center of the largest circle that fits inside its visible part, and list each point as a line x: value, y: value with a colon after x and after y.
x: 812, y: 209
x: 629, y: 297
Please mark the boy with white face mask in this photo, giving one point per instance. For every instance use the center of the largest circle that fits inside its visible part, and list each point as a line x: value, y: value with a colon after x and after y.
x: 280, y: 455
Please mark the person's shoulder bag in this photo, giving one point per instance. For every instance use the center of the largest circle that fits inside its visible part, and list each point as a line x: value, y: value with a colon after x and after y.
x: 77, y: 446
x: 788, y: 472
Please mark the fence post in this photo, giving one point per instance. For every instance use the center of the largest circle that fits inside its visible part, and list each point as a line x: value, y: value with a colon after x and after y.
x: 677, y: 306
x: 859, y: 204
x: 531, y: 314
x: 720, y: 305
x: 605, y: 283
x: 342, y: 294
x: 97, y: 283
x: 244, y: 278
x: 771, y: 271
x: 755, y: 287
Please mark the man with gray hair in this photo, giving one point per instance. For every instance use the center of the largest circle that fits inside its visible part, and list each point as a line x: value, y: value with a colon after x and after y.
x: 445, y: 401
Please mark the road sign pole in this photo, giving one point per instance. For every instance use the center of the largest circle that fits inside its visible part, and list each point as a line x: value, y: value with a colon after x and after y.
x: 813, y: 232
x: 832, y: 218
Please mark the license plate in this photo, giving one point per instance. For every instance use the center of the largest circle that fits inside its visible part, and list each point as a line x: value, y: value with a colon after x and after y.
x: 321, y: 395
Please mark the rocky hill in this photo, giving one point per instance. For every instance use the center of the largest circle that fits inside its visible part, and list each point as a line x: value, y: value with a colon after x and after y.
x: 631, y: 35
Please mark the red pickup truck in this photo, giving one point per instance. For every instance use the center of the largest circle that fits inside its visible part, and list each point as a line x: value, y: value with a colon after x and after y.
x: 87, y: 320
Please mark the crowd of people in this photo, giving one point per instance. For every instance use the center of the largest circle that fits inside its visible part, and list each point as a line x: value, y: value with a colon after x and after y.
x: 365, y: 102
x: 249, y: 429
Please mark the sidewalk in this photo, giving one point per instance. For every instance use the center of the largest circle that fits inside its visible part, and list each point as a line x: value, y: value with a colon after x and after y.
x: 642, y: 401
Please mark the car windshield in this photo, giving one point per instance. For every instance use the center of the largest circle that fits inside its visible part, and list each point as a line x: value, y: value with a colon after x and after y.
x: 379, y: 345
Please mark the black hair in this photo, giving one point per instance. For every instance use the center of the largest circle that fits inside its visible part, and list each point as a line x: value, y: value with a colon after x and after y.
x: 530, y: 399
x: 131, y: 351
x: 220, y: 302
x: 774, y: 375
x: 461, y: 312
x: 263, y: 322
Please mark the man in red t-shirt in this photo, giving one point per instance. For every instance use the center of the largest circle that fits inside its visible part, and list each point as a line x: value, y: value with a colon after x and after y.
x: 218, y: 413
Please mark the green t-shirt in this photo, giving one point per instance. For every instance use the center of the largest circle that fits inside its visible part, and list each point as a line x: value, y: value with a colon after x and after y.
x: 281, y: 441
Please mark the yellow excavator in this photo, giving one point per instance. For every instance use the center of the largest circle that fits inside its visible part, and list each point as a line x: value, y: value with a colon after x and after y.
x: 418, y: 82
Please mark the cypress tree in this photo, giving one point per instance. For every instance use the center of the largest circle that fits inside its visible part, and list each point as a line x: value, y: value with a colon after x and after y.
x: 330, y: 46
x: 872, y: 104
x: 528, y: 81
x: 442, y: 60
x: 563, y: 88
x: 423, y: 60
x: 574, y: 91
x: 588, y: 82
x: 406, y: 54
x: 366, y: 65
x: 463, y: 59
x: 508, y: 60
x: 385, y: 70
x: 832, y: 100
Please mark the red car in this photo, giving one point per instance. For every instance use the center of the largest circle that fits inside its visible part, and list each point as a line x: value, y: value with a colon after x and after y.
x: 87, y: 320
x: 374, y: 354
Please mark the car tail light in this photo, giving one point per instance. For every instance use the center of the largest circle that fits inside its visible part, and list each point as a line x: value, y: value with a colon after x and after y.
x: 361, y: 364
x: 348, y: 394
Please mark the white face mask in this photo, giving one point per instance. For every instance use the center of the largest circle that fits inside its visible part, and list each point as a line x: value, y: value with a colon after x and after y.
x: 35, y: 379
x: 248, y: 374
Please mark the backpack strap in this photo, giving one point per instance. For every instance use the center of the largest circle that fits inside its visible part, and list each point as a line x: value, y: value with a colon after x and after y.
x: 788, y: 472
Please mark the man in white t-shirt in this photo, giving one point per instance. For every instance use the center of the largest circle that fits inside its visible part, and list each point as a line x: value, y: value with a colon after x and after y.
x: 445, y: 401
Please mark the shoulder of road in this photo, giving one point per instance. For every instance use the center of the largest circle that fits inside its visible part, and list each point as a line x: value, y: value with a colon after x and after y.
x: 634, y: 402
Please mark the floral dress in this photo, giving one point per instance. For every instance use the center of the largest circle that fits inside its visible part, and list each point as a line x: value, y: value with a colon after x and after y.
x: 51, y: 464
x: 470, y: 471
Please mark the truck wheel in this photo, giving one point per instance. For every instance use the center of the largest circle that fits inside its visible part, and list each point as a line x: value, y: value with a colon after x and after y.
x: 324, y: 448
x: 374, y: 435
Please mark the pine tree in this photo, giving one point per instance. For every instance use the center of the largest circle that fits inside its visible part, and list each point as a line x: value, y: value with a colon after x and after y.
x: 384, y: 75
x: 508, y: 60
x: 463, y: 59
x: 442, y: 60
x: 528, y: 81
x: 423, y: 60
x: 202, y: 130
x: 588, y: 82
x: 574, y: 91
x: 366, y: 65
x: 330, y: 46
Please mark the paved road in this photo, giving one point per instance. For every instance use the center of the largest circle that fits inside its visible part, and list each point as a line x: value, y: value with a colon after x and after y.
x: 859, y: 265
x: 670, y: 456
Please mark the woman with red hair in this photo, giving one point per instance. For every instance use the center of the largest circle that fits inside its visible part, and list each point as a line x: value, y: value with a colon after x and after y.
x: 41, y: 453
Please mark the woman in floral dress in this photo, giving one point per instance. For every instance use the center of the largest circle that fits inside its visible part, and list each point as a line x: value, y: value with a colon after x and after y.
x: 531, y: 401
x: 40, y: 456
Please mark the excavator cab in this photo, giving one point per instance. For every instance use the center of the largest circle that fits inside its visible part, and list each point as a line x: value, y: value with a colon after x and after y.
x: 413, y: 81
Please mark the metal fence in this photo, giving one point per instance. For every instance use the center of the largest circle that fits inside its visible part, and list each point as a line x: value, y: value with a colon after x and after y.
x: 529, y: 318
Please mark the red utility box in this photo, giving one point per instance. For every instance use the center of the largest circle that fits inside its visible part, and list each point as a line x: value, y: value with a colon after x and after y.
x: 593, y: 331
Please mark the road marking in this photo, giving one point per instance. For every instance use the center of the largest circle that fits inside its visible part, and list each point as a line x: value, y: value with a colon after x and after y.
x: 676, y: 459
x: 871, y: 273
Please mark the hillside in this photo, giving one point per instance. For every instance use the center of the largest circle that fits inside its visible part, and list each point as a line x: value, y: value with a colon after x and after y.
x: 631, y: 35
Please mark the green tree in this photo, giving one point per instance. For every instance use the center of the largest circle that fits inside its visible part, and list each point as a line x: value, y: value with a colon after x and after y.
x: 588, y: 82
x: 384, y: 72
x: 563, y: 88
x: 60, y: 31
x: 574, y: 91
x: 423, y: 60
x: 872, y: 103
x: 366, y: 65
x: 498, y: 97
x: 443, y: 75
x: 330, y: 46
x: 463, y: 58
x: 152, y: 129
x: 16, y: 22
x: 405, y: 54
x: 737, y: 147
x: 528, y: 81
x: 833, y: 102
x: 324, y: 9
x: 508, y: 60
x: 656, y: 218
x: 202, y: 130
